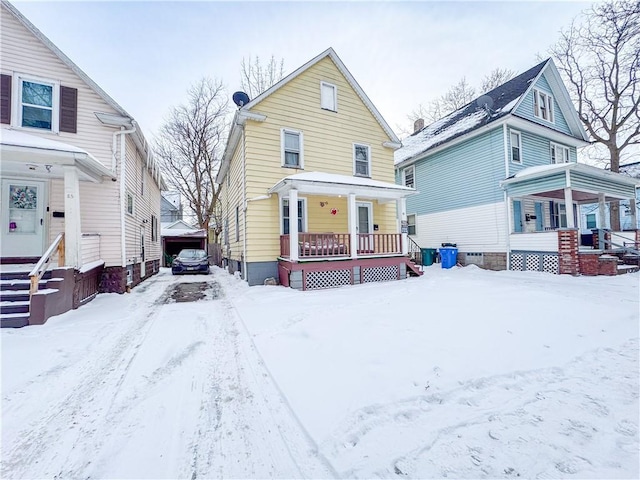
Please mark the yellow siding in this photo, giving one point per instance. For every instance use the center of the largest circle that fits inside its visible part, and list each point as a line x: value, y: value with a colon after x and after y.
x: 231, y: 198
x: 328, y: 139
x: 100, y: 204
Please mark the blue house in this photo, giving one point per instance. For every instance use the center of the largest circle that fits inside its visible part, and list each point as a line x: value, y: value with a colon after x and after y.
x: 499, y: 177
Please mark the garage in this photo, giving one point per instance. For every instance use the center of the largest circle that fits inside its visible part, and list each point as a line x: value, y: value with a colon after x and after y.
x: 179, y: 235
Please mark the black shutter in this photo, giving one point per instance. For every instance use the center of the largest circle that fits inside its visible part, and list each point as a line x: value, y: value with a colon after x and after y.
x: 68, y: 109
x: 5, y: 98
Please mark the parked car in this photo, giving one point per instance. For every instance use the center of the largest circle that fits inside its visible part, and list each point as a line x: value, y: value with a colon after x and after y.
x: 190, y: 260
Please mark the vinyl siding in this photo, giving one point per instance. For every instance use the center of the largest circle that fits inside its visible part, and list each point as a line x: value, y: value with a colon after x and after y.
x: 537, y: 185
x: 536, y: 151
x: 479, y: 228
x: 100, y: 204
x: 461, y: 176
x: 580, y: 181
x: 534, y: 242
x: 525, y: 109
x: 230, y: 198
x: 328, y: 139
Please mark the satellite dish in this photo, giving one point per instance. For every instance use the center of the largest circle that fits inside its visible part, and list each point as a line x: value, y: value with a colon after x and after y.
x: 240, y: 99
x: 485, y: 101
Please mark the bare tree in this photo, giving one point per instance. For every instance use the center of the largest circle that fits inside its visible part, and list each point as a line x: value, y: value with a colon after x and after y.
x: 255, y: 77
x: 456, y: 97
x: 189, y: 148
x: 497, y: 77
x: 599, y: 55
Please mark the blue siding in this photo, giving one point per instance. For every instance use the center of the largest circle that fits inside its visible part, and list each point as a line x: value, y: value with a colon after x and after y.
x: 536, y: 150
x: 460, y: 176
x: 525, y: 109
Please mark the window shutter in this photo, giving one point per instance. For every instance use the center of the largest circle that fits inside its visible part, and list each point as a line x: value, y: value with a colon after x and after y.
x: 517, y: 216
x: 539, y: 214
x: 68, y: 109
x: 5, y: 98
x: 536, y: 108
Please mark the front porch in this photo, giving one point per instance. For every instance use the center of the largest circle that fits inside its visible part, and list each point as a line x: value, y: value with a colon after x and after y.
x: 370, y: 249
x: 545, y: 233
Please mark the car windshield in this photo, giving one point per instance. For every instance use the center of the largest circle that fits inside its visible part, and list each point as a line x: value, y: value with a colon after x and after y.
x: 192, y: 254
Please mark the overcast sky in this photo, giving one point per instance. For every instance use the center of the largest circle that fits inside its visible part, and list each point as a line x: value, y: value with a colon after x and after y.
x: 146, y: 54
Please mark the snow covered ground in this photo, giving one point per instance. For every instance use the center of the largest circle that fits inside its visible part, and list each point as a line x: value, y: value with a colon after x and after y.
x: 461, y: 373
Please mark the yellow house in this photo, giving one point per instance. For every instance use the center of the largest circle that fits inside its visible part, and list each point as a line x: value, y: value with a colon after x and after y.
x: 314, y: 141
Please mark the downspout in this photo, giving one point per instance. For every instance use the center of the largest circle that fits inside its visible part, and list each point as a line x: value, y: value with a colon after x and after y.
x: 506, y: 197
x: 245, y: 274
x: 123, y: 169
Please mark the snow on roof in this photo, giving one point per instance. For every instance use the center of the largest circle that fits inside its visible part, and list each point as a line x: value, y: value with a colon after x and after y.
x: 172, y: 197
x: 475, y: 114
x: 343, y: 180
x: 20, y: 139
x: 182, y: 232
x: 541, y: 168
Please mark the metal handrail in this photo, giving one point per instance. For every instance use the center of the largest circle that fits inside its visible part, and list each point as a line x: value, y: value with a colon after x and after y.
x: 608, y: 243
x: 38, y: 271
x: 415, y: 252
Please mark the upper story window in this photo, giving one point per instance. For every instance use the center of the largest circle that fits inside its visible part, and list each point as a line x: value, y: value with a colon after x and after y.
x: 129, y: 203
x: 516, y: 147
x: 361, y: 160
x: 38, y: 104
x: 328, y: 96
x: 543, y: 105
x: 408, y: 176
x: 559, y: 153
x: 292, y: 145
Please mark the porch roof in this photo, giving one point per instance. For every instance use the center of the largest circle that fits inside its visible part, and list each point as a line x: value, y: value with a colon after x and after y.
x: 333, y: 184
x: 585, y: 181
x: 25, y: 154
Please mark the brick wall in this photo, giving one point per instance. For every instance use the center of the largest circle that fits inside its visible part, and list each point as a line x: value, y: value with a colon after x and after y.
x: 589, y: 263
x: 113, y: 280
x: 495, y: 261
x: 608, y: 265
x: 569, y: 262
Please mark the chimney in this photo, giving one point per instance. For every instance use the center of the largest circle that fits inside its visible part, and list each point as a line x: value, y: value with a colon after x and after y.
x: 418, y: 125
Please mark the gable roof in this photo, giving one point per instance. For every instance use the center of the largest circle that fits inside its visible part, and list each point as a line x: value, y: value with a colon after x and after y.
x: 244, y: 112
x: 141, y: 142
x: 482, y: 111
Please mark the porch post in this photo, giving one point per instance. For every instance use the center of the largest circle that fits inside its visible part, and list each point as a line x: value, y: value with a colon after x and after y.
x: 568, y: 202
x: 293, y: 225
x: 352, y: 219
x: 634, y: 213
x: 602, y: 223
x: 72, y: 232
x: 401, y: 207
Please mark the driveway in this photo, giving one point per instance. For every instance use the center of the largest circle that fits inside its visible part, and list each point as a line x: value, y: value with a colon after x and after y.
x: 164, y: 382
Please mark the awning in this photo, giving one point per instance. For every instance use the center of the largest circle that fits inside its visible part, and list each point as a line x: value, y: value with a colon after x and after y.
x: 585, y: 181
x: 32, y: 155
x: 321, y: 183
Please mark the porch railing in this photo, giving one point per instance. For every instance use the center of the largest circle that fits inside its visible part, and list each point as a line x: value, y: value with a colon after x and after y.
x: 415, y: 252
x: 314, y: 245
x: 38, y: 271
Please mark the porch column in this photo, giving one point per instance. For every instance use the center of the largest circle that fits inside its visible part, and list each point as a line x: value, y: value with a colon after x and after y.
x: 602, y: 221
x: 293, y: 225
x: 352, y: 219
x: 633, y: 213
x: 568, y: 202
x: 72, y: 232
x: 401, y: 207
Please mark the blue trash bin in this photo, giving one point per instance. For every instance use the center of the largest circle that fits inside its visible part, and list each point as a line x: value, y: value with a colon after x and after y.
x: 448, y: 256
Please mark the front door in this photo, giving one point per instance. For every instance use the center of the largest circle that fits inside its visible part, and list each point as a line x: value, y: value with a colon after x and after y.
x: 365, y: 242
x: 22, y: 229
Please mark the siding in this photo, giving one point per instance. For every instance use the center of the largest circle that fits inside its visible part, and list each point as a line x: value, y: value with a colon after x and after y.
x: 328, y: 139
x: 580, y: 181
x: 536, y: 151
x: 461, y: 176
x: 99, y: 203
x: 537, y: 185
x: 536, y: 242
x: 525, y: 109
x: 230, y: 198
x: 474, y: 229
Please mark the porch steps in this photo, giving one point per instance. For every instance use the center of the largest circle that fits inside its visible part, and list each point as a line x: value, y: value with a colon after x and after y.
x: 413, y: 269
x: 15, y: 297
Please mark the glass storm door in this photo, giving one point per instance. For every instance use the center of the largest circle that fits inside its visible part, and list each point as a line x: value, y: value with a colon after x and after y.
x: 22, y: 218
x: 365, y: 243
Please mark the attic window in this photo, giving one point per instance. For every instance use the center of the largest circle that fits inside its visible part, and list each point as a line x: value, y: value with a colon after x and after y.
x: 543, y: 105
x: 328, y: 96
x: 38, y: 104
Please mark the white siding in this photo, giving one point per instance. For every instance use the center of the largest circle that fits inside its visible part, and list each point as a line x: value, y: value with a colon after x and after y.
x: 535, y: 242
x: 474, y: 229
x: 90, y: 248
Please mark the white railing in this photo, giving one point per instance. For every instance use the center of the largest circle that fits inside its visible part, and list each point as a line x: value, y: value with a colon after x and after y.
x: 38, y: 271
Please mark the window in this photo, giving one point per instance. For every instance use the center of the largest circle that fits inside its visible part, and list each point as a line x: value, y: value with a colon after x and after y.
x: 226, y: 231
x: 154, y: 228
x: 129, y: 203
x: 516, y: 147
x: 361, y: 160
x: 38, y: 104
x: 559, y: 153
x: 411, y: 224
x: 292, y: 149
x: 591, y: 220
x: 286, y: 215
x: 559, y: 215
x: 237, y: 224
x: 408, y: 175
x: 543, y: 105
x: 328, y: 96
